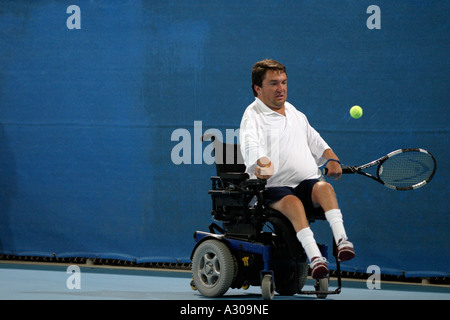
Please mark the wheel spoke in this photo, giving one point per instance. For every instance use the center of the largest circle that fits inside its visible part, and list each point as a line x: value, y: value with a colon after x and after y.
x: 210, y: 268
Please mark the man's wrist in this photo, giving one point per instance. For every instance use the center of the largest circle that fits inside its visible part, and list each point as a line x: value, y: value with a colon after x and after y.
x: 336, y: 160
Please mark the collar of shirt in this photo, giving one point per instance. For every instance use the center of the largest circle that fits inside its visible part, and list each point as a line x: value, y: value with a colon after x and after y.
x: 263, y: 108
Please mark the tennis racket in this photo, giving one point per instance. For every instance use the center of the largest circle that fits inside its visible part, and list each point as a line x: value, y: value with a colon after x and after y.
x: 403, y: 169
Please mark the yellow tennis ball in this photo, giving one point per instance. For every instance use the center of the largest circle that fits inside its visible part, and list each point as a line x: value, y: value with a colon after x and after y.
x: 356, y: 112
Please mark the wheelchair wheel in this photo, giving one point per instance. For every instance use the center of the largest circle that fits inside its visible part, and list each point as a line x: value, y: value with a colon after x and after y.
x: 321, y: 285
x: 294, y: 282
x: 267, y: 287
x: 213, y: 268
x: 303, y: 269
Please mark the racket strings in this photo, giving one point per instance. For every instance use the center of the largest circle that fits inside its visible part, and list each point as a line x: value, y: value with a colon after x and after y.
x: 407, y: 169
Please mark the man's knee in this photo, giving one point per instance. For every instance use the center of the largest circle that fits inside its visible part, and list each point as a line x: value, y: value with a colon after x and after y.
x: 288, y: 202
x: 291, y: 206
x: 323, y: 187
x: 323, y: 194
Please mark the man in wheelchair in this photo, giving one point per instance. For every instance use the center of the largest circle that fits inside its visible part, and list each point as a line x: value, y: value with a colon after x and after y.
x: 270, y: 180
x: 278, y: 144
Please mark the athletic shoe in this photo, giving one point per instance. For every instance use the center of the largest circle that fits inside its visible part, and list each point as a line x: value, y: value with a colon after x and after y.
x: 345, y: 250
x: 319, y: 268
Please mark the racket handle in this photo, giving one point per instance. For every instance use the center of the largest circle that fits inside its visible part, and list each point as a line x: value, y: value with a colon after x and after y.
x: 344, y: 170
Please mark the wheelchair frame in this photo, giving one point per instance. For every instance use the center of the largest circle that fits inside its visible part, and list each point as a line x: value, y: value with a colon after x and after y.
x: 237, y: 202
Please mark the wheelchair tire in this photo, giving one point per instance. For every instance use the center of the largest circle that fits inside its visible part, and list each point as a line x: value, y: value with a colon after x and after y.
x: 291, y: 286
x: 213, y: 268
x: 267, y: 287
x: 303, y: 269
x: 322, y: 285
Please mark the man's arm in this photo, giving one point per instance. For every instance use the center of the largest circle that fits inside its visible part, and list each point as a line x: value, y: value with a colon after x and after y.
x: 249, y: 140
x: 334, y: 167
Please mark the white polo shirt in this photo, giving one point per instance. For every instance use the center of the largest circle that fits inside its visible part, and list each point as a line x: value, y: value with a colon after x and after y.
x: 293, y: 146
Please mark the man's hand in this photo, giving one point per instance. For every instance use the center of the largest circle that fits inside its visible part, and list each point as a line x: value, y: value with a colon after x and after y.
x: 334, y: 170
x: 264, y: 168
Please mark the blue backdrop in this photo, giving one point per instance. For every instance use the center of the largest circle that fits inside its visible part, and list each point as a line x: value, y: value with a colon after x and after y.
x: 87, y: 118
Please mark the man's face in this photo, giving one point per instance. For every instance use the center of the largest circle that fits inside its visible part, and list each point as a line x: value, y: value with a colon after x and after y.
x: 273, y: 91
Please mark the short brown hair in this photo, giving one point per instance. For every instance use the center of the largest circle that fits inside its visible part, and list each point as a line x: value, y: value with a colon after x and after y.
x: 259, y: 71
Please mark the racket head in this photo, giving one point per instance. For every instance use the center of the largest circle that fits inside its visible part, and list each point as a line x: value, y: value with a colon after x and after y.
x: 407, y: 169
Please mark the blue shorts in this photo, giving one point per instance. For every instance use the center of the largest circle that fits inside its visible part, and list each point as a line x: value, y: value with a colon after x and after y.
x: 303, y: 191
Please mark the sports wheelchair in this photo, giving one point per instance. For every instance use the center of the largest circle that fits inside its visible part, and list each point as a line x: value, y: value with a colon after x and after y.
x: 256, y: 245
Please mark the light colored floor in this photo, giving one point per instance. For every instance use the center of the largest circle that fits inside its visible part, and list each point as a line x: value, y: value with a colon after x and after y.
x: 27, y: 281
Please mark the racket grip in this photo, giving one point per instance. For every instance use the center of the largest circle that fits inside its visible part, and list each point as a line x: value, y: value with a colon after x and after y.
x: 344, y: 170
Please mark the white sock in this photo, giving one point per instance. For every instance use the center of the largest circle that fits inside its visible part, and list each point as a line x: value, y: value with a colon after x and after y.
x: 334, y: 217
x: 306, y: 238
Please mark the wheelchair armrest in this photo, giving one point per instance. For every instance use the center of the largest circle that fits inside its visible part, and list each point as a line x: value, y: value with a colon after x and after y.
x: 236, y: 181
x: 234, y: 176
x: 254, y: 183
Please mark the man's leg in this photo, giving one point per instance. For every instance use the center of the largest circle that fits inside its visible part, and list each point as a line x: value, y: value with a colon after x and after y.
x: 293, y: 209
x: 324, y: 195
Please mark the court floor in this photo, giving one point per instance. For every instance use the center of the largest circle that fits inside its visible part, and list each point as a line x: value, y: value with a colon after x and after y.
x: 26, y: 281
